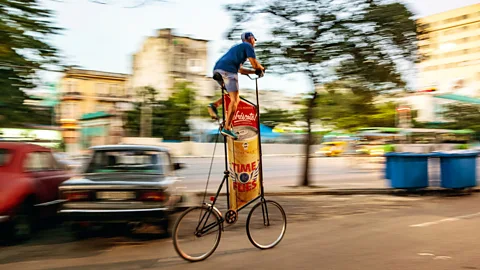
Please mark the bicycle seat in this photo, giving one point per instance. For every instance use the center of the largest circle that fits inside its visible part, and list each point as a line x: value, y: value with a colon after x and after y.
x: 218, y: 77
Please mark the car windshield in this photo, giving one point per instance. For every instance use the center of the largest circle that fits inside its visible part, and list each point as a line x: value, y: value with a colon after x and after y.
x: 127, y: 161
x: 5, y: 156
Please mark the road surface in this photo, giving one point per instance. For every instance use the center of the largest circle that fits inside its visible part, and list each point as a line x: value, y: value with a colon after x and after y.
x: 324, y: 232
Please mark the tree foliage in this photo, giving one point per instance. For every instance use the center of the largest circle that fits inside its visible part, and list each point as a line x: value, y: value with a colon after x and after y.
x: 272, y: 117
x: 25, y: 28
x: 127, y: 3
x: 463, y: 116
x: 360, y: 41
x: 169, y: 117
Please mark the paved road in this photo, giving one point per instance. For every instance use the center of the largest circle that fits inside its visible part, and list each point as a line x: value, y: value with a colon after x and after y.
x: 324, y: 232
x: 287, y: 171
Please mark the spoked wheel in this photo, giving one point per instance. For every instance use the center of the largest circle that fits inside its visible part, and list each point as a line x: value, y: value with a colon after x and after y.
x: 197, y: 233
x: 266, y: 224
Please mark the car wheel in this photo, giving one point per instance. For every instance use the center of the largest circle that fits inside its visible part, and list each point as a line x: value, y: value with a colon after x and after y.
x: 21, y: 224
x: 165, y: 227
x: 80, y: 231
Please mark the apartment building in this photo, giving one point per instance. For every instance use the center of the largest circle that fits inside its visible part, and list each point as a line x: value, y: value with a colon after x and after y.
x: 450, y: 72
x: 165, y: 58
x: 451, y: 42
x: 83, y: 92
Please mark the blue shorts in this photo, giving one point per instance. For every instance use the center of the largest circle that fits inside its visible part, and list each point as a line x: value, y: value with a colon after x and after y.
x: 230, y: 79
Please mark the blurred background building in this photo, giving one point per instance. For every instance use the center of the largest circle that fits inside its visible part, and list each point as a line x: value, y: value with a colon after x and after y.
x: 451, y: 71
x: 84, y: 92
x: 166, y: 57
x: 451, y: 40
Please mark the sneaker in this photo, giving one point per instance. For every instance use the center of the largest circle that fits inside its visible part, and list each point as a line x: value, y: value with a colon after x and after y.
x: 212, y: 110
x: 229, y: 133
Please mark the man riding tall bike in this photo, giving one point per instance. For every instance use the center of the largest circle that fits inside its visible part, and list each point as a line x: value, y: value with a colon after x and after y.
x: 197, y: 231
x: 228, y: 66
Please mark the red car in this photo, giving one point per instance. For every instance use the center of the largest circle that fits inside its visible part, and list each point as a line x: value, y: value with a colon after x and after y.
x: 29, y: 180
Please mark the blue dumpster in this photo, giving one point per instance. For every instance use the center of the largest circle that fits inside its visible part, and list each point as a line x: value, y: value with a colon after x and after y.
x: 388, y: 167
x: 407, y: 170
x: 458, y: 169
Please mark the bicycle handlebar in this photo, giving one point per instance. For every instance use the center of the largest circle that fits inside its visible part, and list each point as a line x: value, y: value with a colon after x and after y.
x: 258, y: 72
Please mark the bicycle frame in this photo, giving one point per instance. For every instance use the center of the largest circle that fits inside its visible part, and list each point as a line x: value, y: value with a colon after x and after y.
x: 205, y: 229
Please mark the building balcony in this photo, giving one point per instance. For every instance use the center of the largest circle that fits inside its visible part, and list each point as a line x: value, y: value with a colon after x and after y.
x: 72, y: 96
x: 114, y: 98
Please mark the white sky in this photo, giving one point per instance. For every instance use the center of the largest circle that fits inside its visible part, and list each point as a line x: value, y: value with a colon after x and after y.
x: 103, y: 37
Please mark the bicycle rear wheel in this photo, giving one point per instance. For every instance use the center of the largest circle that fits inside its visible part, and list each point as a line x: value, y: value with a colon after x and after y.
x: 197, y: 232
x: 266, y: 224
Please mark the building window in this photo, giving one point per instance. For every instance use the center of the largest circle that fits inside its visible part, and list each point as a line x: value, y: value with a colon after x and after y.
x: 112, y: 90
x: 69, y: 110
x: 120, y: 90
x: 129, y: 91
x: 101, y: 89
x: 99, y: 107
x: 70, y: 87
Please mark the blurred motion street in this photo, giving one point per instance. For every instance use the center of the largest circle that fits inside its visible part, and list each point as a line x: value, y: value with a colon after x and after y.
x: 114, y: 115
x: 286, y: 171
x: 330, y: 232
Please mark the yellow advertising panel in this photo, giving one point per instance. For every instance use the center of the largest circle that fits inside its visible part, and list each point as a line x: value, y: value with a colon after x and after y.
x: 244, y: 156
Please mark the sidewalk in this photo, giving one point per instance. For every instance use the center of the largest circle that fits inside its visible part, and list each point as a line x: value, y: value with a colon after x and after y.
x: 309, y: 191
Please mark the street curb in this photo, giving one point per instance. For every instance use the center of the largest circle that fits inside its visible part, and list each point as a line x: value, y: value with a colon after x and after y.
x: 371, y: 191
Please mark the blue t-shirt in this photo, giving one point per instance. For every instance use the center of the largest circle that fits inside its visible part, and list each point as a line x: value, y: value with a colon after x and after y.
x: 236, y: 56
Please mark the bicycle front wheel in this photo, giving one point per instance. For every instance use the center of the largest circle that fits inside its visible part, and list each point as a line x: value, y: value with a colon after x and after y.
x: 197, y: 232
x: 266, y: 224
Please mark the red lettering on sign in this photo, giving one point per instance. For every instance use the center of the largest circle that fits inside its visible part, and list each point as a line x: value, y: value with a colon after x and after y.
x: 244, y: 187
x: 239, y: 168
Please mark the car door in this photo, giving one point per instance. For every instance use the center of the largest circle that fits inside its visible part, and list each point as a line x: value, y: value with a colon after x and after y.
x: 56, y: 172
x: 35, y: 166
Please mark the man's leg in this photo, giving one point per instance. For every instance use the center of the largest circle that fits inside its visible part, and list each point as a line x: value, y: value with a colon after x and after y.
x: 212, y: 108
x: 232, y: 108
x: 218, y: 102
x: 231, y: 84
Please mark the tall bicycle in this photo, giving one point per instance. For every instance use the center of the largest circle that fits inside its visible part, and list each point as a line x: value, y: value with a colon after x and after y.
x: 197, y: 231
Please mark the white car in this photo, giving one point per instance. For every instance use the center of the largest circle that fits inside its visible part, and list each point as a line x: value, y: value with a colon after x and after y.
x: 130, y: 184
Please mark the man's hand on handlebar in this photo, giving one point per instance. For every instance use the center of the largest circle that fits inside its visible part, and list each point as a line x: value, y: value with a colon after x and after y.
x: 260, y: 72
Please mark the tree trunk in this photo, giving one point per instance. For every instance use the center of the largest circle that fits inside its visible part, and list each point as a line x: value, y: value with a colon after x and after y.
x: 308, y: 143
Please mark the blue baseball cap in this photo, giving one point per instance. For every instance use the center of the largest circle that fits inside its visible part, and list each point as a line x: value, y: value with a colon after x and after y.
x: 246, y: 35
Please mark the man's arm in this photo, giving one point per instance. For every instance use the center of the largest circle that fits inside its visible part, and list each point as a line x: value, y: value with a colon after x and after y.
x: 255, y: 64
x: 246, y: 71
